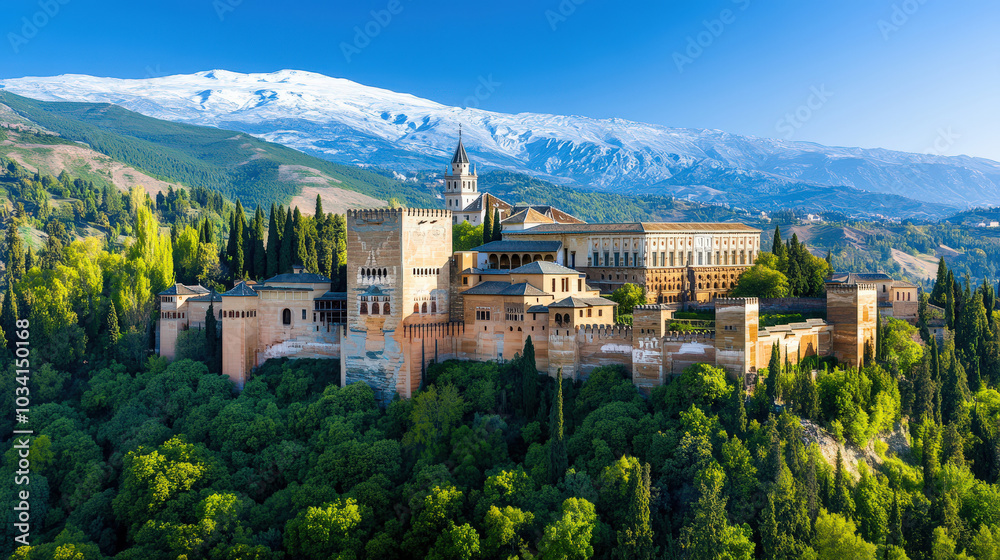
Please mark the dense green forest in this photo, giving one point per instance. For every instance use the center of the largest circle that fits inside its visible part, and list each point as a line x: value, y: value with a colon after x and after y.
x: 134, y: 457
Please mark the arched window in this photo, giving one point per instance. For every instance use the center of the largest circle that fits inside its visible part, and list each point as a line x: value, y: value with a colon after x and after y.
x: 416, y: 308
x: 385, y: 308
x: 286, y: 316
x: 375, y: 308
x: 434, y: 307
x: 558, y: 318
x: 364, y: 308
x: 423, y: 307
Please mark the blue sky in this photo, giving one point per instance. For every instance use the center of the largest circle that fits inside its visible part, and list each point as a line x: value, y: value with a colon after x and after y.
x: 914, y: 75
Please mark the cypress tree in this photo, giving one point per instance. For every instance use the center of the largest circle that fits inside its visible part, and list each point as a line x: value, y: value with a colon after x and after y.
x: 301, y: 250
x: 635, y: 538
x: 259, y: 253
x: 8, y: 314
x: 318, y: 213
x: 211, y: 335
x: 842, y: 502
x: 529, y: 380
x: 273, y: 244
x: 773, y: 371
x: 777, y: 247
x: 111, y: 330
x: 287, y: 254
x: 16, y: 263
x: 938, y: 292
x: 487, y: 220
x: 895, y: 535
x: 231, y: 242
x: 497, y: 231
x: 29, y: 259
x: 949, y: 304
x: 879, y: 338
x: 812, y: 488
x: 955, y: 391
x: 558, y: 460
x: 237, y: 236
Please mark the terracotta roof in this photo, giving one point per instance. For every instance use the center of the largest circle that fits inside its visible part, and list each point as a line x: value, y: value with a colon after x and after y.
x: 552, y: 213
x: 477, y: 205
x: 545, y: 267
x: 639, y: 227
x: 525, y: 246
x: 528, y: 215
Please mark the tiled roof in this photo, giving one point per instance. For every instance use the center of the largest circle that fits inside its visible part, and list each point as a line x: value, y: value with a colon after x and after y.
x: 300, y: 278
x: 538, y: 309
x: 179, y: 289
x: 240, y: 290
x: 577, y: 302
x: 639, y: 227
x: 529, y: 215
x: 855, y: 277
x: 493, y: 288
x: 490, y: 288
x: 484, y: 271
x: 510, y: 246
x: 266, y: 288
x: 544, y: 267
x: 552, y: 213
x: 477, y: 204
x: 214, y: 296
x: 341, y: 296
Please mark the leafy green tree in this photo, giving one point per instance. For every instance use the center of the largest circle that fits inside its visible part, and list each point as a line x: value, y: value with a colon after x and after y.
x: 761, y: 281
x: 325, y: 531
x: 8, y: 313
x: 837, y: 539
x: 569, y: 536
x: 16, y: 265
x: 627, y: 297
x: 635, y: 537
x: 436, y: 412
x: 505, y: 531
x: 465, y: 236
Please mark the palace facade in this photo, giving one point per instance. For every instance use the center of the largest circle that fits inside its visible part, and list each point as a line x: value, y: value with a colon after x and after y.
x: 412, y: 300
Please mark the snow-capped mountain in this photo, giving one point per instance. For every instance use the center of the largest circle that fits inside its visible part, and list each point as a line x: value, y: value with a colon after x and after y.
x: 348, y: 122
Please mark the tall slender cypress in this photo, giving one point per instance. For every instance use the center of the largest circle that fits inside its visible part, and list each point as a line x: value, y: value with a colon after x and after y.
x: 273, y: 244
x: 287, y: 255
x: 8, y: 314
x: 487, y: 219
x: 777, y: 247
x: 16, y: 260
x: 259, y: 265
x: 497, y: 235
x: 558, y: 460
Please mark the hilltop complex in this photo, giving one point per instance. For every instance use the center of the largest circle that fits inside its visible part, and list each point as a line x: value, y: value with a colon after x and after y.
x: 410, y: 299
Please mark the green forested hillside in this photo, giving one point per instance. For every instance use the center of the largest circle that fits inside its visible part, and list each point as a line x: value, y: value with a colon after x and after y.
x: 235, y: 164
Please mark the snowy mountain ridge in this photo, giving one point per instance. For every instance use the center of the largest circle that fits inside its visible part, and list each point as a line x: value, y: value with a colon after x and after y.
x: 347, y: 122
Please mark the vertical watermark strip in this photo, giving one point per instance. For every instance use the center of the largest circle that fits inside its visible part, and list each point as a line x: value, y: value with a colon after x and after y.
x: 22, y: 435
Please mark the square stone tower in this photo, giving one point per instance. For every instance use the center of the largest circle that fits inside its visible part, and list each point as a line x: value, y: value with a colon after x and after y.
x: 398, y: 273
x: 239, y: 333
x: 851, y: 308
x: 736, y: 324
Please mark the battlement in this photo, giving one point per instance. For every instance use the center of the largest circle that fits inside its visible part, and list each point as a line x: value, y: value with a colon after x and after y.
x: 837, y: 287
x: 689, y: 336
x: 655, y: 307
x: 434, y: 330
x: 741, y: 302
x: 427, y: 212
x: 380, y: 214
x: 606, y: 331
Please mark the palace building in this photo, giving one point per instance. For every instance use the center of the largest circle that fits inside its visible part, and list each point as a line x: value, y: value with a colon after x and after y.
x: 412, y: 300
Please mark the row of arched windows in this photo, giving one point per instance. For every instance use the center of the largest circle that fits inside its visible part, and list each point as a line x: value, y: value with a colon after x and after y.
x: 374, y: 308
x: 564, y: 318
x: 375, y: 272
x: 234, y: 314
x: 422, y: 308
x: 426, y: 271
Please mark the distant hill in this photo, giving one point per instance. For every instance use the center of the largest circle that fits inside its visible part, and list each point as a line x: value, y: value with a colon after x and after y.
x: 236, y: 164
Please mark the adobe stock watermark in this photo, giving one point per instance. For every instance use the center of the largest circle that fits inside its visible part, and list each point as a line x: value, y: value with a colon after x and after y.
x: 943, y: 142
x: 31, y: 26
x: 901, y: 14
x: 223, y: 7
x: 793, y: 121
x: 714, y: 28
x: 563, y: 10
x: 486, y: 88
x: 363, y: 35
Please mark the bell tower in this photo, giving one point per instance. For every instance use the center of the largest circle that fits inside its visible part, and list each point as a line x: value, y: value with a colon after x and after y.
x: 460, y: 188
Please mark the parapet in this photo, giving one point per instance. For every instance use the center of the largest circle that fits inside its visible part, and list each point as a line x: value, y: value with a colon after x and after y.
x: 839, y: 287
x: 606, y: 331
x: 738, y: 302
x: 655, y: 307
x: 427, y: 212
x: 689, y: 336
